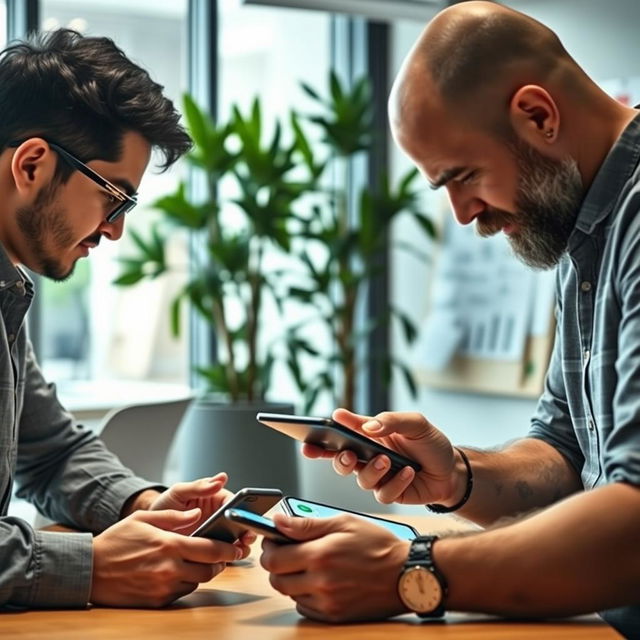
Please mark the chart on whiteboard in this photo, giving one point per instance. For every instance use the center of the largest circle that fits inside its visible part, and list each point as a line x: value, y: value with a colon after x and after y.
x: 484, y: 302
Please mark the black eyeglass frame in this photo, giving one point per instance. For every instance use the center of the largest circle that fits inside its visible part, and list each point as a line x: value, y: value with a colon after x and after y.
x: 127, y: 202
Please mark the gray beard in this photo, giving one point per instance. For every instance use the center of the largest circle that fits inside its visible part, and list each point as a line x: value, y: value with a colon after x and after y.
x: 548, y: 199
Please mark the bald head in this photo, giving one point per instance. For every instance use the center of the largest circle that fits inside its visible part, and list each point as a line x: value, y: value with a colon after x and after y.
x: 479, y: 44
x: 471, y: 58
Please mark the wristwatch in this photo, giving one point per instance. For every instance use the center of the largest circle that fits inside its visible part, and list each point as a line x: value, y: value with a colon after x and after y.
x: 421, y: 587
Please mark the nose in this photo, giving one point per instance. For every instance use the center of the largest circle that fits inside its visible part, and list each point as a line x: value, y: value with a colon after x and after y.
x: 466, y: 208
x: 112, y: 230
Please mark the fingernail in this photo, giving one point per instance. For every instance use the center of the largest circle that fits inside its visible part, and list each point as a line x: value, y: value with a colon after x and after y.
x: 372, y: 426
x: 380, y: 463
x: 238, y: 554
x: 406, y: 473
x: 344, y: 459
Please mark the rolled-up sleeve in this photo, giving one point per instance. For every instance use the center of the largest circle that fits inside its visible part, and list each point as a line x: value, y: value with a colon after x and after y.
x: 552, y: 421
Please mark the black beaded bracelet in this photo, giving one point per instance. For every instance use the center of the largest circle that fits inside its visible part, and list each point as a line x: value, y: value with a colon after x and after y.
x: 440, y: 508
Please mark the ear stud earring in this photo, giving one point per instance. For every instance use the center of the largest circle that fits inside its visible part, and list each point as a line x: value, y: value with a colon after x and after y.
x: 548, y: 134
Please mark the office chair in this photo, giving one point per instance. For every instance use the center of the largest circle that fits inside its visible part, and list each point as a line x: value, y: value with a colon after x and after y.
x: 141, y: 436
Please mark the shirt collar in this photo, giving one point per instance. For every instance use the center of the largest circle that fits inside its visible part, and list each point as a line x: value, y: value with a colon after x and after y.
x: 614, y: 173
x: 10, y: 275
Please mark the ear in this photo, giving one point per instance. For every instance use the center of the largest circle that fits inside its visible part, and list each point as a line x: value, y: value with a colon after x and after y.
x: 534, y: 116
x: 33, y: 166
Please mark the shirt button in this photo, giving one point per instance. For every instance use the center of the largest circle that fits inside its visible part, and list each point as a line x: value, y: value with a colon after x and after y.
x: 585, y: 286
x: 590, y: 425
x: 11, y: 337
x: 586, y: 354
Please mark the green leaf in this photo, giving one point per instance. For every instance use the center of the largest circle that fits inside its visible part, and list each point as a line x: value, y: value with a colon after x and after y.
x: 301, y: 141
x: 408, y: 327
x: 175, y: 315
x: 408, y: 377
x: 335, y: 87
x: 129, y: 278
x: 196, y: 121
x: 181, y: 211
x: 310, y: 91
x: 407, y: 179
x: 426, y: 224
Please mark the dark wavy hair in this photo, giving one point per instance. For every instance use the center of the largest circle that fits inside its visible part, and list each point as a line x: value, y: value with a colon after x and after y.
x: 83, y: 93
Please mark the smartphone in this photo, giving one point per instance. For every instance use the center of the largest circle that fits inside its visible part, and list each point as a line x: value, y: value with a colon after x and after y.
x: 333, y: 436
x: 259, y: 524
x: 250, y: 499
x: 309, y: 509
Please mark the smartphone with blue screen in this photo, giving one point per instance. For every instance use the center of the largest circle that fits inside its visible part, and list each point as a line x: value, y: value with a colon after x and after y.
x: 309, y: 509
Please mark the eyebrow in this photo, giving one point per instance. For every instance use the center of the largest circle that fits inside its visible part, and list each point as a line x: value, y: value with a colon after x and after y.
x: 125, y: 185
x: 446, y: 176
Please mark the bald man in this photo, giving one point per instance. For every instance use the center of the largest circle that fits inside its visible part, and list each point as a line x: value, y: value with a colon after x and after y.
x: 491, y: 107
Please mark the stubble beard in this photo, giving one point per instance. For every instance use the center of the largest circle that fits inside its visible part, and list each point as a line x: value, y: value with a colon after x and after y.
x: 46, y: 232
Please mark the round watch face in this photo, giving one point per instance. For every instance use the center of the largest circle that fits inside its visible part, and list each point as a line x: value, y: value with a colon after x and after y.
x: 420, y: 590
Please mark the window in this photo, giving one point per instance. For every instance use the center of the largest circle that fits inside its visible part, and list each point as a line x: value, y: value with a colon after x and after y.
x: 91, y: 329
x: 267, y: 52
x: 3, y: 24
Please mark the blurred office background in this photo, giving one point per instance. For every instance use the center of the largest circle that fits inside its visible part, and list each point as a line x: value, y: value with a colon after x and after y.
x: 107, y: 346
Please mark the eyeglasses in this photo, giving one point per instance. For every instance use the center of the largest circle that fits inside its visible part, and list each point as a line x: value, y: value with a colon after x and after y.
x: 126, y: 202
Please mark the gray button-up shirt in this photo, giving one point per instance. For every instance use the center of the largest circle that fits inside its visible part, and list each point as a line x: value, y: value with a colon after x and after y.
x: 62, y: 468
x: 590, y: 408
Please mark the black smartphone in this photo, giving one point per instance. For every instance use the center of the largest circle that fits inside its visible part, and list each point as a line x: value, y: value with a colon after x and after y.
x: 259, y: 524
x: 333, y: 436
x: 250, y: 499
x: 309, y: 509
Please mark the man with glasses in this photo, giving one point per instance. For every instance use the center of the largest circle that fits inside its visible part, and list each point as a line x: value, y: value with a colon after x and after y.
x: 79, y: 121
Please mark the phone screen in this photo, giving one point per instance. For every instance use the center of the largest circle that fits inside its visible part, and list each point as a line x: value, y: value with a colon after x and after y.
x: 308, y: 509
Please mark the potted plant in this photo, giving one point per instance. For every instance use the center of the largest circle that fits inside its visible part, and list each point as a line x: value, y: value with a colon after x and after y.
x: 244, y: 214
x: 260, y: 212
x: 343, y: 240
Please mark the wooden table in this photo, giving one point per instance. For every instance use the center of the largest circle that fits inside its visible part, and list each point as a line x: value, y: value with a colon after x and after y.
x: 240, y: 604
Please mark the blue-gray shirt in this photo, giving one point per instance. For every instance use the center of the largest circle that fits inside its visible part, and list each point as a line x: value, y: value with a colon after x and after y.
x: 59, y: 466
x: 590, y: 408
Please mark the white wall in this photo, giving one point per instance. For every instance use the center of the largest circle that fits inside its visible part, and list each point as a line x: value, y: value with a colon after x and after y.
x: 602, y: 37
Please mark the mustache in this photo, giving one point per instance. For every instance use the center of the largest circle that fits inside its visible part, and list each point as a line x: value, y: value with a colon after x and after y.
x: 491, y: 221
x: 94, y: 239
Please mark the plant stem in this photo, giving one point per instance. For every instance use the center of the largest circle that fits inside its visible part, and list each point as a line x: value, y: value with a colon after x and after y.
x: 349, y: 297
x: 232, y: 374
x: 253, y: 313
x: 219, y: 314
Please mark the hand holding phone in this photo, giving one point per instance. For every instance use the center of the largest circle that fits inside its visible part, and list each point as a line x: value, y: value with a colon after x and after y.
x: 258, y: 524
x: 252, y: 500
x: 333, y: 436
